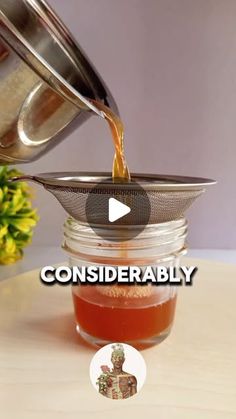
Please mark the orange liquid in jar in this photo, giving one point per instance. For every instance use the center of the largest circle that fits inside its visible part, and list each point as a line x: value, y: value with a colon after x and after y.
x: 122, y: 319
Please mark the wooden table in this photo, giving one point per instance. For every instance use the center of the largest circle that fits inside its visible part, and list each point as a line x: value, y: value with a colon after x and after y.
x: 44, y: 364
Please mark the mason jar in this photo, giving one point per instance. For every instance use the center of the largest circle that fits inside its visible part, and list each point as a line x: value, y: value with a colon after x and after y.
x: 141, y: 315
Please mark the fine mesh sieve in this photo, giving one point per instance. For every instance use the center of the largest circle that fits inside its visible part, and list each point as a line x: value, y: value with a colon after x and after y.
x: 169, y: 196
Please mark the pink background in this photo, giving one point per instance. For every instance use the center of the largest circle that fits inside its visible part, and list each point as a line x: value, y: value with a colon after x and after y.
x: 171, y: 65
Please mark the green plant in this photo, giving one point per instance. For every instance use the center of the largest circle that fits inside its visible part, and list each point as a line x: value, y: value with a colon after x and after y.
x: 17, y: 217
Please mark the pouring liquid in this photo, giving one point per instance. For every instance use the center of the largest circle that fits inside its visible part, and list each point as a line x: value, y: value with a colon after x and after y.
x: 120, y: 170
x: 101, y: 311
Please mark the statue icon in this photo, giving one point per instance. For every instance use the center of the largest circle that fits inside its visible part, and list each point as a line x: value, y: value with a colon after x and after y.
x: 115, y: 383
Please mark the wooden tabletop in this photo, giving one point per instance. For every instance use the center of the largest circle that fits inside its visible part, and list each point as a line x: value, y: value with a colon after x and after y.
x: 44, y: 364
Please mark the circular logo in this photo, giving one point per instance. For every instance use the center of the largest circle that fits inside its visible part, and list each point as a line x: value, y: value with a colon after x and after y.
x: 117, y: 371
x: 116, y: 210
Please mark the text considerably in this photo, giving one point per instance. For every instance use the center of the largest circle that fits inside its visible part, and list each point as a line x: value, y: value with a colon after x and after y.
x: 159, y: 275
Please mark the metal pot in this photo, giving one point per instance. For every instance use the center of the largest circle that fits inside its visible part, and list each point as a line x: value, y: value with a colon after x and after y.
x: 45, y: 81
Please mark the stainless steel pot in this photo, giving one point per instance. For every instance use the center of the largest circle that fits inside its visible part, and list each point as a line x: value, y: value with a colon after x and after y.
x: 45, y: 81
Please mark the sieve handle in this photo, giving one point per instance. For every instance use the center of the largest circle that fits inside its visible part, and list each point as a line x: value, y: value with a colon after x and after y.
x: 29, y: 178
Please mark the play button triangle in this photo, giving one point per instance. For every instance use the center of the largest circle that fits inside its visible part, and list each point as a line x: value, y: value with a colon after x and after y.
x: 117, y: 210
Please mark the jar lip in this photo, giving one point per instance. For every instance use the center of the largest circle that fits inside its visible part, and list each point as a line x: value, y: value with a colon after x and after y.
x: 116, y: 245
x: 75, y: 225
x: 138, y: 238
x: 153, y: 235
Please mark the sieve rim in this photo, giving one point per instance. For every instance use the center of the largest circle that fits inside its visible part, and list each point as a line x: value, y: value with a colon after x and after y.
x: 149, y: 182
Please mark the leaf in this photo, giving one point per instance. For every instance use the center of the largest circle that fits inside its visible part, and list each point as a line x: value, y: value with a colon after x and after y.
x: 3, y: 231
x: 18, y: 202
x: 4, y: 207
x: 10, y: 246
x: 8, y: 259
x: 24, y: 224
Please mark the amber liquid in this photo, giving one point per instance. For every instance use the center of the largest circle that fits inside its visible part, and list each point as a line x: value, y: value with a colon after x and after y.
x: 120, y: 170
x: 113, y: 318
x: 122, y: 319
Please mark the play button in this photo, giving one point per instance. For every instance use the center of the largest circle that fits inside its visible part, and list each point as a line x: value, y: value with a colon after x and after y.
x: 117, y: 210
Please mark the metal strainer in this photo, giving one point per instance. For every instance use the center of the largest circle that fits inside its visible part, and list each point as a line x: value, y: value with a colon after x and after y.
x: 169, y: 196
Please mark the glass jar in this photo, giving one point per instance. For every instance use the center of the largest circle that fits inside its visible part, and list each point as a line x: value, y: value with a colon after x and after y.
x: 141, y: 315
